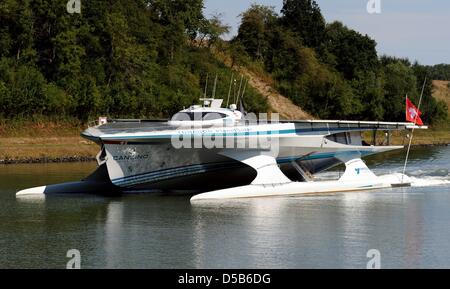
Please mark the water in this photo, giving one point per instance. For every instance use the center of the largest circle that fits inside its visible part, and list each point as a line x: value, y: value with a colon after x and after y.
x: 409, y: 226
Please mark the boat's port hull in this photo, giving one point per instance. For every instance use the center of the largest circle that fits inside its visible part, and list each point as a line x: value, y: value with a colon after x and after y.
x: 81, y: 187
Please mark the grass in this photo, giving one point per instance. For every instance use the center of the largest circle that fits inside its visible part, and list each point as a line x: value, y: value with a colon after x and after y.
x: 441, y: 91
x: 432, y: 136
x: 52, y: 140
x: 53, y: 148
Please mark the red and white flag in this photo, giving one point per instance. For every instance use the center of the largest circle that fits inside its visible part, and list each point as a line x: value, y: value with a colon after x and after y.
x: 412, y: 113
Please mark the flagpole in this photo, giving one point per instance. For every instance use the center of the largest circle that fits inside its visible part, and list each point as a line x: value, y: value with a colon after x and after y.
x: 412, y: 131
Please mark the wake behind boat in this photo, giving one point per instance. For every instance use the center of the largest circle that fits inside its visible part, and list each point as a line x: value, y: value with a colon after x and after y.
x: 215, y: 153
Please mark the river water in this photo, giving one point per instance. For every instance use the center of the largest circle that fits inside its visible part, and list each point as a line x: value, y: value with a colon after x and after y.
x: 410, y: 227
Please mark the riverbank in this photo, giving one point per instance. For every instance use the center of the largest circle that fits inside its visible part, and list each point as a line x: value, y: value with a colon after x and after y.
x: 44, y: 142
x: 429, y: 137
x: 60, y: 142
x: 46, y: 149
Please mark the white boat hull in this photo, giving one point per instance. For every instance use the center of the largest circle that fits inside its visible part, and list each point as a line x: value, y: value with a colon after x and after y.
x: 357, y: 177
x: 299, y: 188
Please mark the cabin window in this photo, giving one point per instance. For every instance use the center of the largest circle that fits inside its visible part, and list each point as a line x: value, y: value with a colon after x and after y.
x: 190, y: 116
x: 349, y: 138
x: 213, y: 116
x: 182, y: 116
x: 187, y: 116
x: 339, y: 138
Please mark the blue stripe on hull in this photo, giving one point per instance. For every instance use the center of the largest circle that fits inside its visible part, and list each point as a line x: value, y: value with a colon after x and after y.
x: 233, y: 134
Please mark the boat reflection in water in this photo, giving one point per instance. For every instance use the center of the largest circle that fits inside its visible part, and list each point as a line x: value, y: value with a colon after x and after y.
x: 333, y: 231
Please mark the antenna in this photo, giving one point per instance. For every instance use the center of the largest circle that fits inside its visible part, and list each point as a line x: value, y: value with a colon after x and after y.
x: 234, y: 90
x: 206, y: 85
x: 229, y: 90
x: 239, y: 90
x: 241, y: 100
x: 214, y: 88
x: 243, y: 91
x: 412, y: 131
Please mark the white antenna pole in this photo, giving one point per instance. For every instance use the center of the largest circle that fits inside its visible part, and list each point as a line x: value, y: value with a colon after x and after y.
x: 243, y: 91
x: 241, y: 100
x: 412, y: 131
x: 239, y: 90
x: 229, y: 90
x: 206, y: 85
x: 234, y: 90
x: 214, y: 89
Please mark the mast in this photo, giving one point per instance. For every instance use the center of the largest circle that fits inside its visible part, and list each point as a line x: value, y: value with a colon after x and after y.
x: 229, y: 90
x: 239, y: 90
x: 214, y: 88
x: 412, y: 131
x: 206, y: 85
x: 241, y: 100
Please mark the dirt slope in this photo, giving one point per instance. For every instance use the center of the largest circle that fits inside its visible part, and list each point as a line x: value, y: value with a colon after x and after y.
x: 279, y: 103
x: 264, y: 85
x: 441, y: 91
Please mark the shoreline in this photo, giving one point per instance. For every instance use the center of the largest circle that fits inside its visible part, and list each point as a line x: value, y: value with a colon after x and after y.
x: 86, y: 159
x: 43, y: 143
x: 46, y: 160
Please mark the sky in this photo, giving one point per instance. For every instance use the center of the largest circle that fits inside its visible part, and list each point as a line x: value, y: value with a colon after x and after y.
x: 416, y: 29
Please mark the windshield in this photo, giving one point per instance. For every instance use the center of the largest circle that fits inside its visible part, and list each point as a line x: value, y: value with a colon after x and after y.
x: 195, y: 116
x: 213, y: 116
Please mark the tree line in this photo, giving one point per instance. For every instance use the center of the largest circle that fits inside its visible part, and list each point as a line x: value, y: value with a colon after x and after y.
x: 439, y: 71
x: 329, y: 69
x: 120, y: 58
x: 150, y: 58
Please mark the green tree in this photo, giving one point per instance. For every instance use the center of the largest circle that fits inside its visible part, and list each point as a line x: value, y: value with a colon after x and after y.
x: 187, y: 12
x: 399, y: 82
x: 305, y: 19
x: 16, y: 31
x: 212, y: 29
x: 368, y: 87
x: 254, y: 31
x: 352, y: 51
x: 238, y: 53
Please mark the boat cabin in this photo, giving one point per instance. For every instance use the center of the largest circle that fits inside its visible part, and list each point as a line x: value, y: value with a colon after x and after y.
x: 209, y: 114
